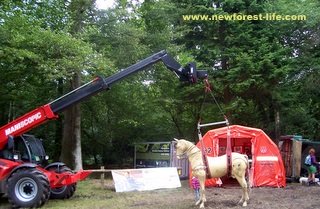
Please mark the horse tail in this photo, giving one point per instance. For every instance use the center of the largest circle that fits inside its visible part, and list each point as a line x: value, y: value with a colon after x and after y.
x: 247, y: 162
x: 248, y: 173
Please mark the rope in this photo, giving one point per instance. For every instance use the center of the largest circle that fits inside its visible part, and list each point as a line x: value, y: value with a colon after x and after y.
x: 201, y: 106
x: 207, y: 89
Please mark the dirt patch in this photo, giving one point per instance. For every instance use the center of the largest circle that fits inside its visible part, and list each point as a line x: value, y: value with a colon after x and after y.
x: 294, y: 196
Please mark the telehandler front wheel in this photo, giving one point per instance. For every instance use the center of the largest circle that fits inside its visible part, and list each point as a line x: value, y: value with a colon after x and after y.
x: 64, y: 192
x: 28, y: 188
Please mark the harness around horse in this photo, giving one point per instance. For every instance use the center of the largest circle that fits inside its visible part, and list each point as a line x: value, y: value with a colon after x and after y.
x: 189, y: 154
x: 228, y: 150
x: 226, y: 122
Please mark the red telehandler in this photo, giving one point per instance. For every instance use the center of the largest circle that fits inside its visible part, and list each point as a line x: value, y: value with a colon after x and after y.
x: 26, y: 177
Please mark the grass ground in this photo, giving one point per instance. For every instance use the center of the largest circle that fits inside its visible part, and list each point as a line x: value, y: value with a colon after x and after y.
x: 91, y: 194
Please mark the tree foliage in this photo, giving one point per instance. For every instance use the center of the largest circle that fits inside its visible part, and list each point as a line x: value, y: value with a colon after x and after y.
x: 257, y: 69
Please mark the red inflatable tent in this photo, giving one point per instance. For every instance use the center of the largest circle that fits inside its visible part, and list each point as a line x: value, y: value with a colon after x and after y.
x: 266, y: 167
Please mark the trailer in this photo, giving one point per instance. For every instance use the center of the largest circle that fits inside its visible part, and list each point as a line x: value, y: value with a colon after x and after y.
x: 159, y: 154
x: 294, y: 150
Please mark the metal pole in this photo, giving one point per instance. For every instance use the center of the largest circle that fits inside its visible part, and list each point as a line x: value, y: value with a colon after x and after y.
x: 213, y: 124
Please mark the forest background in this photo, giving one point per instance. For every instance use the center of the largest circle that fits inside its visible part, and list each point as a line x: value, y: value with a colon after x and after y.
x: 264, y: 74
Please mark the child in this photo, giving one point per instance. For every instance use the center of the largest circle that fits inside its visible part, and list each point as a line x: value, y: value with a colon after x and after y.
x: 312, y: 166
x: 196, y: 187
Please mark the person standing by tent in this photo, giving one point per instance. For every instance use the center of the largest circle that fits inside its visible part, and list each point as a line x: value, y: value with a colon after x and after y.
x: 196, y: 187
x: 312, y: 165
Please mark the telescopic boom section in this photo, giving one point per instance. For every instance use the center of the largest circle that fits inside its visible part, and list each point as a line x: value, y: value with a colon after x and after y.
x: 49, y: 111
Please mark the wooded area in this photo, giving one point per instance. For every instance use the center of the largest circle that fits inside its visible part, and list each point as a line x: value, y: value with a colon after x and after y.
x: 264, y: 74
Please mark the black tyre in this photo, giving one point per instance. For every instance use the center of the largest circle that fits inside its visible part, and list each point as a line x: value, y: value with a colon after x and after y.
x: 64, y: 192
x: 28, y: 188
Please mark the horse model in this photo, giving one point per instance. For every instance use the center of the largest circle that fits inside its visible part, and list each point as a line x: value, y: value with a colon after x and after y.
x: 217, y: 166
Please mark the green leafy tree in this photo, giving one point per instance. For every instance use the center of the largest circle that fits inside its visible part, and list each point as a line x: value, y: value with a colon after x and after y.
x: 250, y: 60
x: 35, y: 63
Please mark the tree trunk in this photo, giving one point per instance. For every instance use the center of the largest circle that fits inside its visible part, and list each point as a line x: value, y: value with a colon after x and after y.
x: 59, y: 126
x: 277, y: 126
x: 71, y: 140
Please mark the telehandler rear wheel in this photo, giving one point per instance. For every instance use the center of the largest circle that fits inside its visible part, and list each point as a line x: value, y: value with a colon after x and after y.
x: 64, y: 192
x: 28, y: 188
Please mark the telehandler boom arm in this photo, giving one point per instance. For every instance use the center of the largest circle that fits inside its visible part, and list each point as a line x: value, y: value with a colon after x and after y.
x: 49, y: 111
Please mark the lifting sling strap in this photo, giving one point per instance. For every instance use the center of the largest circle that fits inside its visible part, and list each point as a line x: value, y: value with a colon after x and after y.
x: 226, y: 122
x: 229, y: 152
x: 204, y: 153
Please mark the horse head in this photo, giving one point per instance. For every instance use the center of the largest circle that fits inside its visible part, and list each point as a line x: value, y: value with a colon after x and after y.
x: 182, y: 146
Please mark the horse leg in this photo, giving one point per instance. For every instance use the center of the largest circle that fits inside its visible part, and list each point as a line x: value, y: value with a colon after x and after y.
x: 198, y: 202
x: 245, y: 196
x: 200, y: 196
x: 202, y: 199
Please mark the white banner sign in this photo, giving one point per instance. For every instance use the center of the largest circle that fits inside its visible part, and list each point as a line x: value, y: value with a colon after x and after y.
x: 145, y: 179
